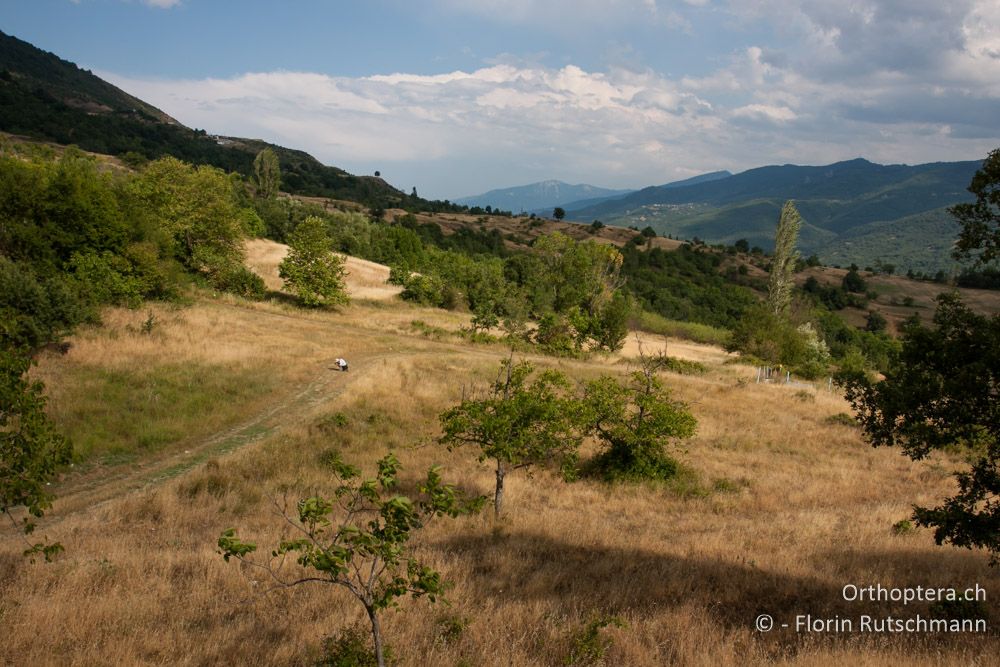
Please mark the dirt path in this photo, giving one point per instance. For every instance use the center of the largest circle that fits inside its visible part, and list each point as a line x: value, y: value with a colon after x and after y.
x: 88, y: 490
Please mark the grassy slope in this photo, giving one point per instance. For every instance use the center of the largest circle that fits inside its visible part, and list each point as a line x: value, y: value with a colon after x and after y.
x: 783, y: 509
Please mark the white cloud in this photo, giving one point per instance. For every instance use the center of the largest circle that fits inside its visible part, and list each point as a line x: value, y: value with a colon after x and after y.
x: 162, y: 4
x: 825, y: 91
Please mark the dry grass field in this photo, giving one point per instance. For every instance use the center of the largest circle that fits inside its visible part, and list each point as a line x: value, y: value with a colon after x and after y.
x: 778, y: 509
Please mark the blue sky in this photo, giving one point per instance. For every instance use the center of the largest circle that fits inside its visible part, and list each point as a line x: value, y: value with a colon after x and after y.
x: 456, y: 97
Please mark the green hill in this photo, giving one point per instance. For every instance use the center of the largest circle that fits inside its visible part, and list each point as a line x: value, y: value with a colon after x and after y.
x: 847, y: 207
x: 45, y: 97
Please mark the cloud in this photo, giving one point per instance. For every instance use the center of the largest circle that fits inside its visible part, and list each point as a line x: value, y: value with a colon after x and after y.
x: 162, y: 4
x: 893, y: 82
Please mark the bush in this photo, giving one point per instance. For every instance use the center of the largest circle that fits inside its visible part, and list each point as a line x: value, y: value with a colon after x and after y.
x: 635, y: 421
x: 349, y: 648
x: 556, y: 336
x: 770, y: 338
x: 240, y: 281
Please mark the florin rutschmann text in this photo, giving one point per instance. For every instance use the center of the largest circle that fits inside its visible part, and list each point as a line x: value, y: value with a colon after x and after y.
x: 875, y: 623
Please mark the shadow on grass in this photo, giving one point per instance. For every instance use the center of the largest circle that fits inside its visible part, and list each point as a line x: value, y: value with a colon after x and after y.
x: 529, y: 566
x: 534, y: 566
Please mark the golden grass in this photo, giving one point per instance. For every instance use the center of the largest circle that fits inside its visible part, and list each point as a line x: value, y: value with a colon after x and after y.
x: 786, y: 509
x: 364, y: 279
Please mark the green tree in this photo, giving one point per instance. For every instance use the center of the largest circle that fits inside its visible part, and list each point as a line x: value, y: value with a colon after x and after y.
x: 358, y: 539
x: 312, y: 270
x: 779, y: 285
x: 31, y: 450
x: 876, y: 322
x: 635, y: 421
x: 517, y: 424
x: 980, y: 220
x: 267, y: 173
x: 853, y: 282
x: 940, y: 392
x: 197, y: 211
x: 571, y: 273
x: 558, y: 213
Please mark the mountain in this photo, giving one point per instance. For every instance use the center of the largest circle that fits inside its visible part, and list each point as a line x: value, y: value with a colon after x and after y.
x: 856, y: 199
x: 694, y: 180
x: 45, y: 97
x: 541, y: 196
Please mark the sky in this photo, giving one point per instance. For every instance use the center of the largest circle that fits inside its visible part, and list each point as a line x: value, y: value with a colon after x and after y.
x: 456, y: 97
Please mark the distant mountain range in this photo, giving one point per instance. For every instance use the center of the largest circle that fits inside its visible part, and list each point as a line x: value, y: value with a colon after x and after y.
x: 852, y: 211
x: 541, y: 196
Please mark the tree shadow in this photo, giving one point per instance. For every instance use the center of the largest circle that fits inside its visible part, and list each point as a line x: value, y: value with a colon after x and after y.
x: 282, y: 298
x: 530, y: 566
x: 944, y: 566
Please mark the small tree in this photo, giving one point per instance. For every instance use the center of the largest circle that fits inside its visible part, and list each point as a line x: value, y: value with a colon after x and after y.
x: 312, y: 270
x: 635, y: 422
x: 876, y: 322
x: 358, y: 539
x: 267, y: 173
x: 30, y: 448
x: 779, y: 286
x: 853, y: 282
x: 558, y: 213
x: 516, y: 424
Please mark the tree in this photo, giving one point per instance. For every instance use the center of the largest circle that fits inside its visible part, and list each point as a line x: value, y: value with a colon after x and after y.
x: 853, y: 282
x: 876, y: 322
x: 558, y: 213
x: 768, y: 337
x: 312, y: 270
x: 635, y: 422
x: 358, y: 539
x: 517, y: 425
x: 649, y: 232
x: 742, y: 245
x: 943, y: 392
x: 31, y: 450
x: 980, y: 220
x: 267, y: 173
x: 779, y: 285
x: 197, y: 209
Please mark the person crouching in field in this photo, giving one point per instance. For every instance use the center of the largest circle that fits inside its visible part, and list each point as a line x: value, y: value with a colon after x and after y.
x: 341, y: 364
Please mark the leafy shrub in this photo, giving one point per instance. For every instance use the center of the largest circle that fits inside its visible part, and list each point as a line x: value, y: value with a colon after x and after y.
x: 350, y: 648
x: 841, y: 419
x: 589, y: 644
x: 902, y: 527
x: 241, y: 281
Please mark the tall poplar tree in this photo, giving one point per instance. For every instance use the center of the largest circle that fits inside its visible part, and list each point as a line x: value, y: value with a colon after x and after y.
x: 779, y: 286
x: 267, y: 173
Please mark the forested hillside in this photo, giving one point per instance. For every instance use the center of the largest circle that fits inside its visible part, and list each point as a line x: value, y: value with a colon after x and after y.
x: 45, y: 97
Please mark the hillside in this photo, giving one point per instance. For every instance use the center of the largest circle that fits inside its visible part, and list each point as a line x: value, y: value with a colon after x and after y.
x: 779, y: 505
x: 847, y: 200
x: 45, y: 97
x: 544, y: 195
